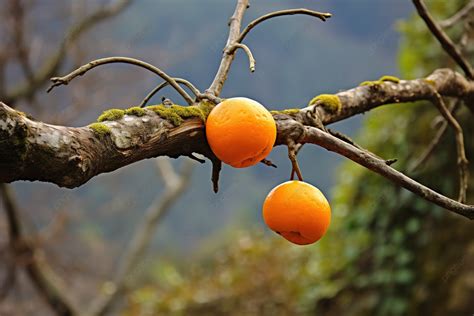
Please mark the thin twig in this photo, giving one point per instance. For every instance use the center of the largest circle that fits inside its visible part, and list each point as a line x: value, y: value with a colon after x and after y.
x: 316, y: 136
x: 18, y: 15
x: 458, y: 16
x: 462, y: 160
x: 13, y: 235
x: 268, y: 163
x: 249, y: 55
x: 14, y: 228
x: 444, y: 39
x: 320, y: 15
x: 188, y: 84
x: 468, y: 27
x: 434, y: 143
x: 235, y: 23
x: 57, y: 81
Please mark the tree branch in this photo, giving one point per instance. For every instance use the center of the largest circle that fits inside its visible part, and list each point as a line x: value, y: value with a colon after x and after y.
x: 436, y: 140
x: 364, y: 98
x: 13, y: 235
x: 229, y: 53
x: 175, y: 185
x: 458, y: 16
x: 444, y: 39
x: 40, y: 275
x: 188, y: 84
x: 57, y: 81
x: 17, y: 11
x: 331, y: 143
x: 51, y: 66
x: 247, y: 50
x: 69, y: 157
x: 320, y: 15
x: 462, y: 160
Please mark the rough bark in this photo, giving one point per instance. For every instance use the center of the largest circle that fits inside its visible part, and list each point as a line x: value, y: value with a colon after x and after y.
x: 70, y: 156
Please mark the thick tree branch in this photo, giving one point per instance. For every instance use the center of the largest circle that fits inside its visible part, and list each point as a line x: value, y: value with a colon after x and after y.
x: 444, y: 39
x: 69, y: 156
x: 364, y: 98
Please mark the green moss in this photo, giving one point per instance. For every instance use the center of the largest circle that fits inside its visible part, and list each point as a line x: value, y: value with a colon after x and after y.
x: 287, y: 111
x: 390, y: 79
x: 206, y: 107
x: 136, y: 111
x: 189, y: 111
x: 111, y: 115
x: 166, y: 113
x: 380, y: 81
x: 368, y: 83
x: 330, y: 102
x: 100, y: 129
x: 176, y: 114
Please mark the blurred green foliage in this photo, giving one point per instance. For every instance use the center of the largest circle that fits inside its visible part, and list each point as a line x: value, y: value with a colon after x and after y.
x: 388, y: 252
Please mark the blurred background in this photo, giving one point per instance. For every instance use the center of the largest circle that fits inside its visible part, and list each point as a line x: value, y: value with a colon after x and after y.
x: 387, y: 252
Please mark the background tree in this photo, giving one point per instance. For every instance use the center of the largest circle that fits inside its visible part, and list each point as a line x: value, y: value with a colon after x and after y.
x: 28, y: 254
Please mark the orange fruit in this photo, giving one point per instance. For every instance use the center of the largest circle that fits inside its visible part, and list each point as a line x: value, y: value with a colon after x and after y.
x: 297, y: 211
x: 240, y: 131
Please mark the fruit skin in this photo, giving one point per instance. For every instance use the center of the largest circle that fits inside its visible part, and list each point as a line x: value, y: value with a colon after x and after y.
x: 298, y: 211
x: 240, y: 131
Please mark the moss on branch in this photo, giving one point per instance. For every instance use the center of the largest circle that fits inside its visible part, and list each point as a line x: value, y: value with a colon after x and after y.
x: 380, y: 81
x: 111, y: 115
x: 287, y: 111
x: 100, y: 129
x: 330, y: 102
x: 176, y: 114
x: 135, y: 111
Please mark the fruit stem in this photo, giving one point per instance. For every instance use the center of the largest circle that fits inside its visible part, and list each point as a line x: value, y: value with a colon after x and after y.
x: 292, y: 152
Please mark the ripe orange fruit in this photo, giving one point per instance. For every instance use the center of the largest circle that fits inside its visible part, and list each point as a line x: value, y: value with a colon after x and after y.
x: 240, y: 131
x: 298, y: 211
